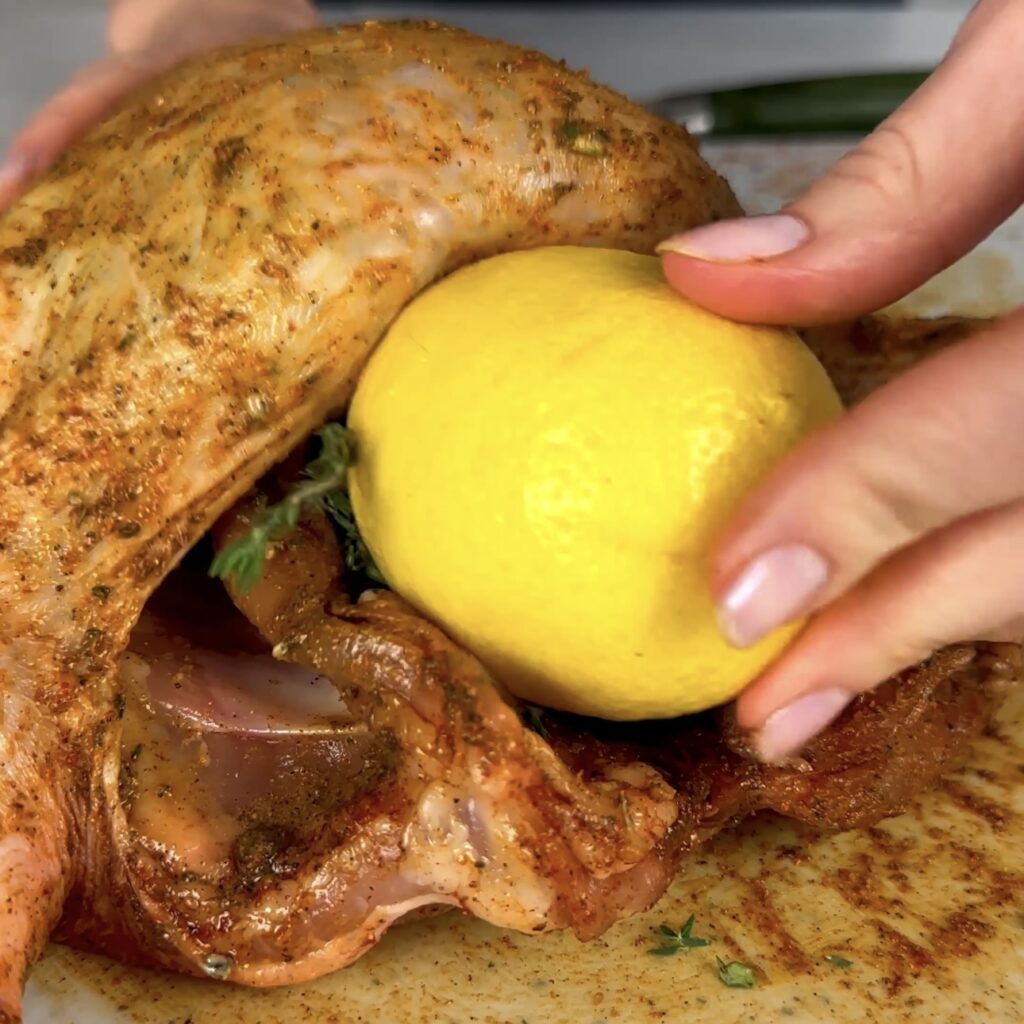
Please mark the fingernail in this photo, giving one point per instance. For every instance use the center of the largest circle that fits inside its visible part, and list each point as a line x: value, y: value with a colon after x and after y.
x: 741, y: 240
x: 772, y: 590
x: 14, y: 171
x: 788, y: 730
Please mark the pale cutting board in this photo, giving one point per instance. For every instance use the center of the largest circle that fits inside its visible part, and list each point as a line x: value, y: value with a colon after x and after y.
x: 928, y: 906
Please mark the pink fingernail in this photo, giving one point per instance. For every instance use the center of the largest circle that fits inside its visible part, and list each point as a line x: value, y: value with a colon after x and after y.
x: 741, y: 240
x: 772, y: 590
x: 14, y: 171
x: 789, y: 729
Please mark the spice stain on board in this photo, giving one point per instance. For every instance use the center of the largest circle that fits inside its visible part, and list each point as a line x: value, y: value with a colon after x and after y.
x: 927, y: 907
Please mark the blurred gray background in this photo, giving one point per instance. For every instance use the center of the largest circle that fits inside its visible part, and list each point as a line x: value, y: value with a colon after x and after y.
x: 643, y: 49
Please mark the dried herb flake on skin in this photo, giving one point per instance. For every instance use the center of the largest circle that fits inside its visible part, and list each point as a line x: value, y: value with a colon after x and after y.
x: 583, y: 138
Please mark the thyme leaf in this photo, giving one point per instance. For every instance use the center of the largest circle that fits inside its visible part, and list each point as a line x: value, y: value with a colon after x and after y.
x: 358, y: 559
x: 583, y: 138
x: 672, y: 941
x: 838, y: 961
x: 533, y: 719
x: 734, y: 974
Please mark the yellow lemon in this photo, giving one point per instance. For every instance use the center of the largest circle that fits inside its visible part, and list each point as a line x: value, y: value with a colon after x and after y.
x: 547, y: 444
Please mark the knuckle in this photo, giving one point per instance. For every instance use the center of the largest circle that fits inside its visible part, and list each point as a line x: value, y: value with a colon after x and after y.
x: 896, y: 513
x: 900, y: 652
x: 893, y: 642
x: 887, y: 163
x: 886, y: 504
x: 899, y: 461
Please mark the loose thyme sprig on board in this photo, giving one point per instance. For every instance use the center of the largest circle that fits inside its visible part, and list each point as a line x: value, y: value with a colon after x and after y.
x: 322, y: 486
x: 735, y: 974
x: 671, y: 941
x: 838, y: 961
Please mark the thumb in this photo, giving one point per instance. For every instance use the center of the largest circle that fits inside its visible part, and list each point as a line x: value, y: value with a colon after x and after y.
x: 92, y: 94
x: 918, y: 193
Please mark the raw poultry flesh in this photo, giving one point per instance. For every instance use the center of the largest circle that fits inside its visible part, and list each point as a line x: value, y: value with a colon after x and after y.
x: 190, y: 293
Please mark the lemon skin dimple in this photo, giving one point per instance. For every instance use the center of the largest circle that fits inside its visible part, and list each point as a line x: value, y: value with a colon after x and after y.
x: 548, y: 444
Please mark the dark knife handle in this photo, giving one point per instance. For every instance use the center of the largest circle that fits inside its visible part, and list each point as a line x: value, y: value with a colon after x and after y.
x: 849, y: 104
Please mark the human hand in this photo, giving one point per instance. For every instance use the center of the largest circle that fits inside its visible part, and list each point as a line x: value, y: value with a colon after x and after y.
x: 901, y: 526
x: 145, y: 38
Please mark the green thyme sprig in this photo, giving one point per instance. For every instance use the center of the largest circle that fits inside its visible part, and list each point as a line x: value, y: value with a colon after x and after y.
x: 672, y: 941
x: 322, y: 486
x: 533, y: 718
x: 338, y: 505
x: 732, y: 974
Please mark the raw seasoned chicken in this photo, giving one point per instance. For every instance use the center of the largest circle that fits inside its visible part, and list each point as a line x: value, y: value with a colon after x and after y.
x: 194, y: 288
x: 189, y: 294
